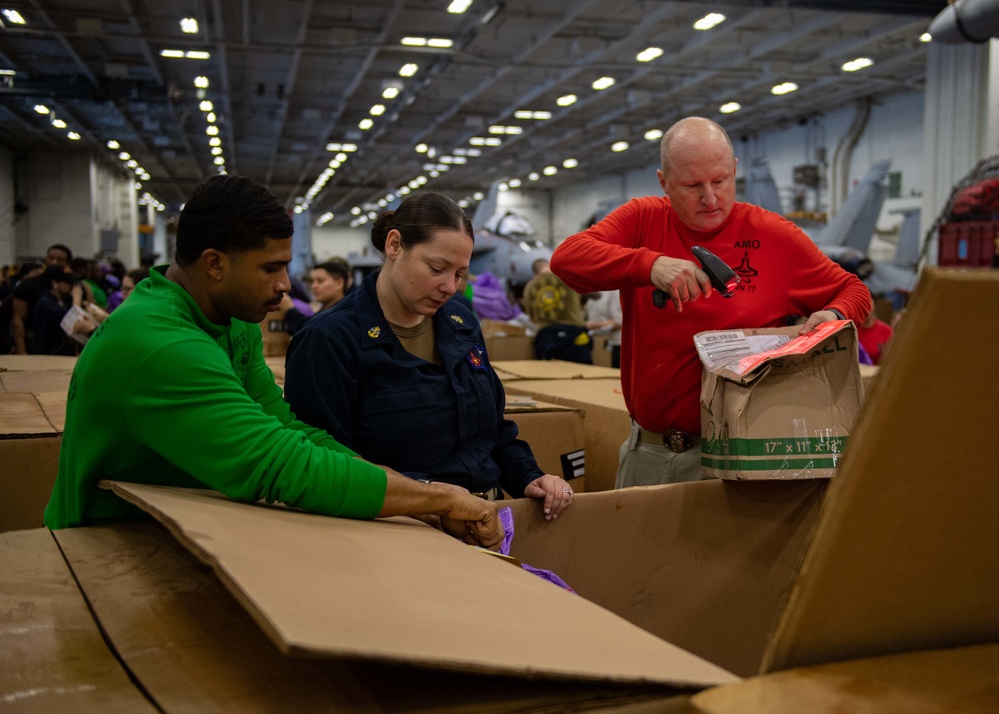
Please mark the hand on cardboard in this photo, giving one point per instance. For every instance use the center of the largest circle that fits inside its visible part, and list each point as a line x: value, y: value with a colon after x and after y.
x: 557, y: 494
x: 474, y: 521
x: 817, y: 318
x: 681, y: 279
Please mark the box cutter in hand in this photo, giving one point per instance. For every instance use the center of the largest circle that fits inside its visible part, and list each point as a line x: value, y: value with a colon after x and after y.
x: 723, y: 278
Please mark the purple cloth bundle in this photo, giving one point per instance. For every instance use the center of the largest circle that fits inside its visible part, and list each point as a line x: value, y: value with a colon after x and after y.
x: 506, y: 518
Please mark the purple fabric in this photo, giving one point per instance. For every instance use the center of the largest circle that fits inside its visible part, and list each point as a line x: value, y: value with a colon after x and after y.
x: 489, y: 299
x: 506, y: 518
x: 303, y: 307
x: 864, y: 357
x: 114, y: 300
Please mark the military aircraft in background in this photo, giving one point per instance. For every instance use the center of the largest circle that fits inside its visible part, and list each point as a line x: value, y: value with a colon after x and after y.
x: 505, y: 243
x: 966, y: 21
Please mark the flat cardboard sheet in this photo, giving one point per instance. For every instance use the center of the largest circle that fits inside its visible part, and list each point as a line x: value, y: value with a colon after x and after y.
x: 962, y: 680
x: 554, y: 369
x: 397, y: 590
x: 705, y: 565
x: 24, y: 363
x: 36, y: 381
x: 22, y: 415
x: 52, y: 657
x: 195, y: 650
x: 905, y: 552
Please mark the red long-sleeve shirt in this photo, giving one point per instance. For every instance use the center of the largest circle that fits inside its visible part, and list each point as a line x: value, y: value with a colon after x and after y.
x: 783, y: 273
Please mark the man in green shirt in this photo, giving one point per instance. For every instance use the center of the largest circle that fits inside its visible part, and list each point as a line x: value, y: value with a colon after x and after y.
x: 173, y: 389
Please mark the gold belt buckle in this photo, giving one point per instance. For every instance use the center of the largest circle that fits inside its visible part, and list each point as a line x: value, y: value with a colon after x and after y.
x: 677, y: 441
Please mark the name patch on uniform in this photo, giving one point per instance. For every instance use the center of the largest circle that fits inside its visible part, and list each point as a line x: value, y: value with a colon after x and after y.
x: 474, y: 358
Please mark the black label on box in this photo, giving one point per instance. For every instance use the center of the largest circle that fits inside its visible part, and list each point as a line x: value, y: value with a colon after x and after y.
x: 573, y: 465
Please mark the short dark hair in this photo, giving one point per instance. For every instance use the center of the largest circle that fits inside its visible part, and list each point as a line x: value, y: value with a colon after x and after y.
x: 231, y: 214
x: 336, y: 269
x: 64, y: 249
x: 417, y: 216
x: 58, y: 272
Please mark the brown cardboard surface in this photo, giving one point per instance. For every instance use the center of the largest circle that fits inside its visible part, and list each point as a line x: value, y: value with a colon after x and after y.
x: 399, y: 591
x: 867, y: 375
x: 554, y: 369
x: 36, y: 381
x: 555, y: 435
x: 22, y: 415
x: 606, y: 424
x: 54, y: 406
x: 962, y: 680
x: 904, y: 554
x: 29, y: 460
x: 194, y: 649
x: 49, y: 363
x: 704, y: 565
x: 509, y: 347
x: 601, y: 352
x: 52, y: 657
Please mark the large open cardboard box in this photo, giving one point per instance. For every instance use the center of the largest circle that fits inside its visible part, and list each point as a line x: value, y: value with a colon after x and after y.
x: 552, y: 369
x: 29, y: 457
x: 555, y: 435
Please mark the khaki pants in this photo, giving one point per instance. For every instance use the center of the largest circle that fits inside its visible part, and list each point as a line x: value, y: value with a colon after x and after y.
x: 644, y: 464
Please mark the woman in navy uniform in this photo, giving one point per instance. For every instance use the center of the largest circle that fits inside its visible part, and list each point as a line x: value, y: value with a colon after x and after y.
x: 398, y: 371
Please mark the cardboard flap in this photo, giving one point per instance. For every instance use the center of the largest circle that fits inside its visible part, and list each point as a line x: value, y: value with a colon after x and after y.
x: 21, y: 416
x: 31, y: 363
x: 904, y: 556
x: 744, y: 356
x: 398, y: 590
x: 554, y: 369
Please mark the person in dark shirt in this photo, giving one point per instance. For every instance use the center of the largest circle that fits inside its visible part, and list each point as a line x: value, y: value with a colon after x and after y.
x: 27, y: 293
x: 51, y: 308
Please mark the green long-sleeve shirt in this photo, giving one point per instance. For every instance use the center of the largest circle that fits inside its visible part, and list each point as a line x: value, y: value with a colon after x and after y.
x: 160, y: 395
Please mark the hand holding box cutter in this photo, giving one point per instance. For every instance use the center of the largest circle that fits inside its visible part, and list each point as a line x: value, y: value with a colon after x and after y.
x: 723, y: 278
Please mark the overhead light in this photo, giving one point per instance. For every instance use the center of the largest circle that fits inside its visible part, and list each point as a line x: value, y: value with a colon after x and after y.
x: 709, y: 21
x: 212, y: 130
x: 365, y: 124
x: 206, y: 106
x: 201, y: 82
x: 514, y: 183
x: 528, y: 114
x: 458, y: 6
x: 855, y: 64
x: 124, y: 156
x: 489, y: 14
x: 729, y: 107
x: 503, y: 186
x: 534, y: 176
x: 341, y: 156
x: 404, y: 191
x: 653, y: 135
x: 172, y: 53
x: 219, y: 161
x: 216, y: 150
x: 197, y: 54
x: 113, y: 144
x: 619, y: 146
x: 440, y: 42
x: 390, y: 92
x: 478, y: 195
x: 145, y: 177
x: 355, y: 211
x: 325, y: 218
x: 138, y: 186
x: 42, y: 109
x: 549, y: 170
x: 413, y: 41
x: 408, y: 69
x: 485, y: 141
x: 377, y: 110
x: 570, y: 164
x: 421, y: 148
x: 298, y: 209
x: 341, y: 147
x: 784, y: 88
x: 58, y: 123
x: 7, y: 72
x: 189, y: 25
x: 421, y: 180
x: 603, y: 83
x: 499, y: 129
x: 14, y: 16
x: 73, y: 135
x: 649, y: 54
x: 566, y: 100
x: 215, y: 141
x: 131, y: 163
x: 926, y: 37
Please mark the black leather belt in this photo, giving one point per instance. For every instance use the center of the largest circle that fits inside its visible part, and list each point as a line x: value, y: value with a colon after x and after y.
x: 675, y: 440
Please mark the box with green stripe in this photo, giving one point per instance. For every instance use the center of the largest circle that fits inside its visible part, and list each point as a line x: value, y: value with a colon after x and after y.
x: 776, y: 405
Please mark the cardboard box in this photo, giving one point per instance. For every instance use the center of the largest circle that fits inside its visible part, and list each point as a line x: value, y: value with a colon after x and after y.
x: 512, y: 347
x: 29, y: 453
x: 36, y: 381
x: 605, y: 426
x: 601, y: 351
x: 868, y: 373
x: 555, y: 434
x: 552, y: 369
x: 274, y: 332
x: 31, y: 363
x: 775, y: 405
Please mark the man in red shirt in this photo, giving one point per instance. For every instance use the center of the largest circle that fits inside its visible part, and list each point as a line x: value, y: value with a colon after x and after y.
x: 646, y: 244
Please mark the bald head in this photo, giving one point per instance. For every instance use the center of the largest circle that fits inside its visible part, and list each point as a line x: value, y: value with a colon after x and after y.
x: 693, y: 134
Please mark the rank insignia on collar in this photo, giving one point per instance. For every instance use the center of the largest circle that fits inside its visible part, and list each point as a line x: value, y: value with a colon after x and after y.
x: 474, y: 358
x: 374, y: 332
x: 457, y: 318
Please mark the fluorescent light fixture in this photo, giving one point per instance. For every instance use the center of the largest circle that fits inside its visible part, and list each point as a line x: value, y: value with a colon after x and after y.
x: 404, y: 191
x: 197, y: 54
x: 926, y: 37
x: 499, y: 129
x: 408, y: 69
x: 298, y: 209
x: 348, y: 147
x: 131, y: 163
x: 15, y: 17
x: 649, y: 54
x: 421, y: 148
x: 201, y: 82
x: 212, y: 131
x: 504, y: 187
x: 355, y: 211
x: 377, y: 110
x: 855, y: 64
x: 653, y: 135
x: 341, y: 156
x: 210, y: 117
x: 390, y: 92
x: 729, y: 107
x: 215, y: 141
x: 463, y: 203
x: 145, y: 176
x: 113, y: 145
x: 534, y: 176
x: 365, y: 124
x: 219, y: 161
x: 458, y: 6
x: 42, y: 109
x: 73, y: 135
x: 709, y: 21
x: 478, y: 195
x: 433, y: 173
x: 172, y: 53
x: 325, y: 218
x: 413, y: 41
x: 421, y: 180
x: 566, y: 100
x: 603, y: 83
x: 514, y: 183
x: 549, y: 170
x: 58, y: 123
x: 784, y: 88
x: 189, y: 25
x: 7, y: 72
x: 619, y: 146
x: 138, y: 186
x: 440, y: 42
x: 216, y: 150
x: 124, y: 156
x: 570, y: 164
x: 529, y: 114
